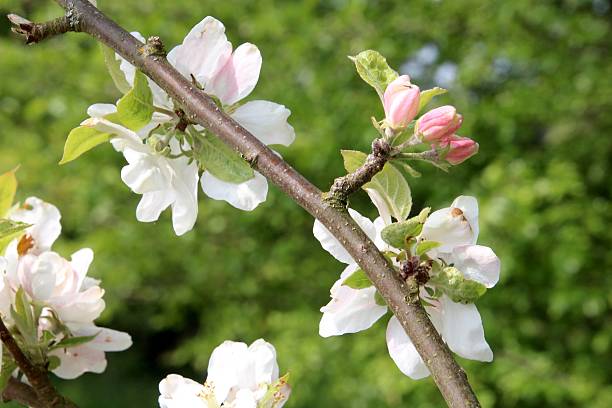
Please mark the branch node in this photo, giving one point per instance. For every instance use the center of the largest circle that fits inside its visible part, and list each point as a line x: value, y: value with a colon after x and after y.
x: 154, y: 47
x: 346, y: 185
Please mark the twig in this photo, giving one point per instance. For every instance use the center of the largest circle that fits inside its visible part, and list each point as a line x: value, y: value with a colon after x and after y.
x: 36, y: 32
x: 37, y: 376
x: 21, y: 393
x: 344, y: 186
x: 200, y: 108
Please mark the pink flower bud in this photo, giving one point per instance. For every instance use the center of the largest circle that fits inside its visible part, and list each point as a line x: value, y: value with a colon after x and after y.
x: 438, y: 123
x: 401, y: 102
x: 461, y: 149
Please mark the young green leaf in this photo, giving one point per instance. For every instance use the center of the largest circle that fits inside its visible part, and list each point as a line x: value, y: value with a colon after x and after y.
x: 424, y: 246
x: 452, y: 283
x: 223, y: 162
x: 389, y: 183
x: 80, y: 140
x: 398, y: 233
x: 23, y: 316
x: 358, y: 280
x: 380, y: 301
x: 9, y: 230
x: 427, y: 96
x: 73, y: 342
x: 372, y: 67
x: 135, y: 109
x: 8, y: 188
x: 113, y: 65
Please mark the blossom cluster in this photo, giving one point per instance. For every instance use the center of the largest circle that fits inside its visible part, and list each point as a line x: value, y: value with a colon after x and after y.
x: 239, y: 376
x: 451, y: 234
x: 48, y: 302
x: 437, y: 127
x: 166, y: 153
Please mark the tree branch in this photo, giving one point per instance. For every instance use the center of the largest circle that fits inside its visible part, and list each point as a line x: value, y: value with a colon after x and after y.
x: 200, y: 108
x: 346, y: 185
x: 36, y: 32
x: 21, y: 393
x: 37, y: 376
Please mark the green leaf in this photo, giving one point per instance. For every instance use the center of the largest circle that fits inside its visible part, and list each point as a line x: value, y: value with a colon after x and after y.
x: 114, y: 69
x: 380, y: 301
x: 372, y: 67
x: 7, y: 366
x: 81, y: 140
x: 427, y: 96
x: 451, y: 281
x: 407, y: 168
x: 23, y: 316
x: 9, y: 230
x: 389, y: 183
x: 357, y: 280
x: 424, y: 246
x: 72, y: 342
x: 223, y: 162
x: 135, y: 109
x: 53, y: 362
x: 398, y: 233
x: 8, y: 188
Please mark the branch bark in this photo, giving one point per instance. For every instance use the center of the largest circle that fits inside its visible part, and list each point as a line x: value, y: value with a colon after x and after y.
x: 21, y: 393
x: 45, y: 392
x: 200, y: 108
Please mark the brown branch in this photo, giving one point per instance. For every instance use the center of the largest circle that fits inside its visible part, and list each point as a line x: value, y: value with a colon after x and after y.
x: 37, y: 376
x: 346, y: 185
x: 21, y: 393
x: 200, y: 108
x: 36, y: 32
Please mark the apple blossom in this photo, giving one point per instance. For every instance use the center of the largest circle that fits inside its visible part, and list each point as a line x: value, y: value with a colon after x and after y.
x: 355, y: 309
x: 401, y: 102
x: 438, y: 124
x: 239, y: 376
x: 67, y: 299
x: 206, y: 54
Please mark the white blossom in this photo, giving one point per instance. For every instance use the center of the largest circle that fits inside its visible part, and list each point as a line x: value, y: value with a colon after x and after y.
x: 239, y: 376
x: 353, y: 310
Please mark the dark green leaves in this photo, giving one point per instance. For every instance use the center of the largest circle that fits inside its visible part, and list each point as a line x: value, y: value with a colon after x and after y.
x: 223, y: 162
x: 372, y: 67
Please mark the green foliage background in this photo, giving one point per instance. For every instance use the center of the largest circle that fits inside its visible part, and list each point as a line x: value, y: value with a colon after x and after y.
x: 534, y: 81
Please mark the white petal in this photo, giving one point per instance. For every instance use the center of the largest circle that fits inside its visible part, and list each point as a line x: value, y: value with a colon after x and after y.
x: 462, y: 330
x: 185, y: 185
x: 180, y: 392
x: 244, y: 196
x: 403, y: 352
x: 245, y: 398
x: 78, y: 360
x: 267, y: 121
x: 264, y: 356
x: 238, y: 76
x: 447, y: 228
x: 478, y: 263
x: 80, y: 262
x: 100, y: 110
x: 350, y: 310
x: 469, y: 206
x: 106, y: 339
x: 225, y: 367
x: 145, y: 173
x: 45, y: 221
x: 204, y: 51
x: 152, y: 204
x: 333, y: 246
x: 381, y: 205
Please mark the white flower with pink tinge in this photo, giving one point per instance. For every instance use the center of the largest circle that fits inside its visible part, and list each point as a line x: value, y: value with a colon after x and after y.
x: 353, y: 310
x: 61, y: 287
x: 239, y: 376
x: 207, y: 55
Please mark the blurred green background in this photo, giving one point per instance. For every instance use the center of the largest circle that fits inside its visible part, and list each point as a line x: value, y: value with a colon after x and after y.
x: 534, y: 82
